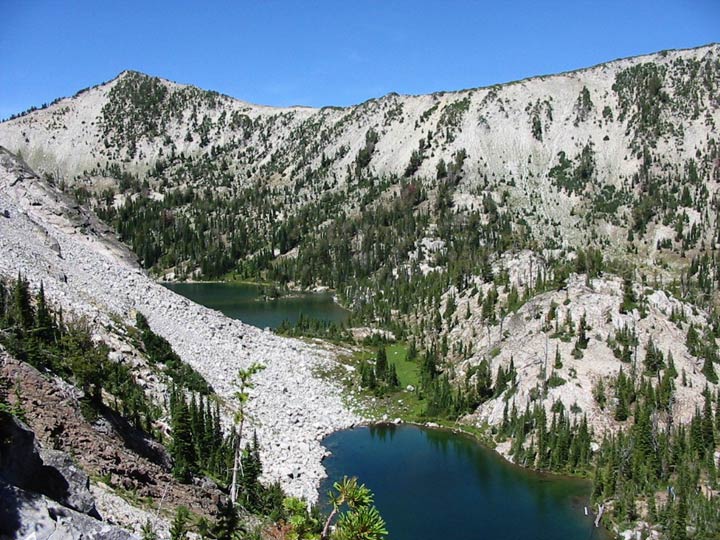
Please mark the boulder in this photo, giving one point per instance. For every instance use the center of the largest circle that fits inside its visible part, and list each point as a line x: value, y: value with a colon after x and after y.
x: 78, y: 494
x: 30, y: 515
x: 25, y: 464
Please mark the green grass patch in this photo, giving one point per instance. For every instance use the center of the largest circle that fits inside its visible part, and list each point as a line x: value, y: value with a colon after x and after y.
x: 398, y: 404
x: 407, y: 370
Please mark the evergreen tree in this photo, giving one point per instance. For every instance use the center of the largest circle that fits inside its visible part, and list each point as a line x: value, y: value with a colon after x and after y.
x: 44, y: 326
x: 381, y: 365
x: 250, y: 486
x: 678, y: 519
x: 654, y: 360
x: 629, y: 301
x: 183, y: 446
x: 22, y: 313
x: 179, y: 528
x: 707, y: 423
x: 86, y: 360
x: 582, y: 340
x: 228, y: 524
x: 708, y: 369
x: 621, y: 393
x: 558, y: 364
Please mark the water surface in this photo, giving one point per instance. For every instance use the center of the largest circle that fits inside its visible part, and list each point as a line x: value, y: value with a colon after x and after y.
x: 246, y: 303
x: 437, y: 485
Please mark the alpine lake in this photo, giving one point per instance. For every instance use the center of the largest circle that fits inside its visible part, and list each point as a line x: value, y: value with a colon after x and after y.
x: 250, y: 303
x: 429, y: 484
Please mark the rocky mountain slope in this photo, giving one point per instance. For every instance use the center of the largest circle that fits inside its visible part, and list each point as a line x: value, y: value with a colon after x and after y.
x: 562, y: 146
x: 48, y: 239
x: 621, y: 156
x: 555, y: 365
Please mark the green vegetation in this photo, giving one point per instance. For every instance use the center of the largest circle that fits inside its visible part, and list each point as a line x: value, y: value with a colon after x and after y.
x: 451, y: 117
x: 361, y: 520
x: 379, y: 377
x: 33, y: 332
x: 242, y: 396
x: 313, y: 328
x: 159, y: 351
x: 583, y: 106
x: 639, y: 466
x: 574, y: 179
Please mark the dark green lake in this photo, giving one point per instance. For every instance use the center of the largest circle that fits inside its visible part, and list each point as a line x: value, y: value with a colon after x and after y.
x: 246, y: 303
x: 437, y: 485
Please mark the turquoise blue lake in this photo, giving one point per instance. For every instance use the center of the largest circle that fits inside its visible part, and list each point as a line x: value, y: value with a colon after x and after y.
x: 438, y: 485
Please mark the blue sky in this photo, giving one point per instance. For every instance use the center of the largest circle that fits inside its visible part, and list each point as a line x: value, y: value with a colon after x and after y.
x: 327, y: 53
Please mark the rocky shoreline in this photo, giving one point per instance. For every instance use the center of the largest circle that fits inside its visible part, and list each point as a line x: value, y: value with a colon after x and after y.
x: 84, y: 271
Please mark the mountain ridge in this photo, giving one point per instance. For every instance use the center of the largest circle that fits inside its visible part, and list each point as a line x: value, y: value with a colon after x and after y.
x: 391, y: 93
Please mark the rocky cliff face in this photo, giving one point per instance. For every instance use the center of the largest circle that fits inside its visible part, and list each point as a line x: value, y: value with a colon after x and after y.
x: 44, y: 493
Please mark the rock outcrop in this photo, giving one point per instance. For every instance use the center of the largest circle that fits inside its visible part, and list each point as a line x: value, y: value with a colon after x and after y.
x: 25, y: 514
x: 44, y: 492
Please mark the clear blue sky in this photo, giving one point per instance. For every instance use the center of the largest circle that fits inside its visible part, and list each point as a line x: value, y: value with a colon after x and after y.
x: 331, y: 52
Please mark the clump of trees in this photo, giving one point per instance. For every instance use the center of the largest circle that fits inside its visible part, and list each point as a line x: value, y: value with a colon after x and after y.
x: 380, y: 377
x: 32, y: 331
x: 159, y: 351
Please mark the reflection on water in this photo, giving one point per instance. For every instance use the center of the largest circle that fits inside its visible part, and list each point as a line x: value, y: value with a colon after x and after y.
x: 246, y: 302
x: 434, y: 484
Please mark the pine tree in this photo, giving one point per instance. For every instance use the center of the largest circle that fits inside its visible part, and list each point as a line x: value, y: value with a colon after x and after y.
x: 412, y: 351
x: 44, y: 325
x: 179, y: 528
x: 22, y: 311
x: 622, y: 409
x: 87, y: 361
x: 708, y: 369
x: 250, y: 481
x: 381, y: 365
x: 599, y: 394
x: 558, y: 359
x: 653, y: 357
x: 228, y: 523
x: 183, y: 446
x: 692, y: 340
x: 629, y: 301
x: 678, y: 519
x: 582, y: 340
x: 707, y: 423
x: 393, y: 381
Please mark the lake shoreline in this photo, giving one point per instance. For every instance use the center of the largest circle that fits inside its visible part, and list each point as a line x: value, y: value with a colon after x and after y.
x: 286, y: 292
x: 433, y: 460
x: 477, y: 439
x: 263, y: 306
x: 466, y: 432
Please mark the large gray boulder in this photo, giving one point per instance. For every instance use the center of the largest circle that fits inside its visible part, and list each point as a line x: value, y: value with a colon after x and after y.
x: 30, y: 515
x: 25, y: 464
x: 77, y: 494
